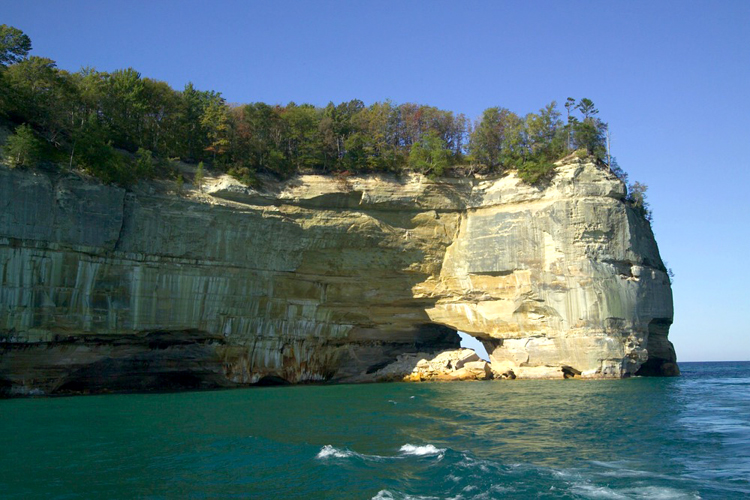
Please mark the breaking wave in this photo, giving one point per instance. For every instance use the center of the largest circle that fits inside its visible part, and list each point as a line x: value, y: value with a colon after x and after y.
x: 329, y: 451
x: 428, y: 449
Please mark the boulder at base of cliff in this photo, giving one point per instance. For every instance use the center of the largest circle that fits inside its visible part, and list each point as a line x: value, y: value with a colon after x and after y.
x: 455, y: 364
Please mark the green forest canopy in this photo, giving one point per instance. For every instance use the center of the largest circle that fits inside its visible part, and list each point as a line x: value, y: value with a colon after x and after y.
x: 122, y: 127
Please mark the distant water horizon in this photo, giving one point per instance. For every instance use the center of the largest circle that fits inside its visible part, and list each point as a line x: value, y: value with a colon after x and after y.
x: 686, y: 437
x: 715, y: 361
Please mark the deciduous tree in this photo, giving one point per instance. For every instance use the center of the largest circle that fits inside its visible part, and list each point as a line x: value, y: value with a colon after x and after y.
x: 430, y: 155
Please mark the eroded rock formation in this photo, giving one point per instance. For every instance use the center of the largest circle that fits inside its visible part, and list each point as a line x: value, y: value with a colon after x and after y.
x: 321, y: 279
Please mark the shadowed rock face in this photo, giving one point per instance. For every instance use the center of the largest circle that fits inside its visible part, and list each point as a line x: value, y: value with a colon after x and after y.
x: 319, y: 279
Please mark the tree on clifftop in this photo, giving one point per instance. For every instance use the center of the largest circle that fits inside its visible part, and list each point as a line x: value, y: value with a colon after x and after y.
x: 123, y: 127
x: 495, y: 140
x: 587, y: 108
x: 570, y: 104
x: 590, y: 132
x: 14, y: 45
x: 430, y: 155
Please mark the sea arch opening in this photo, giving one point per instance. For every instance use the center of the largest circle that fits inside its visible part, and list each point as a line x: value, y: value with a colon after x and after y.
x: 470, y: 342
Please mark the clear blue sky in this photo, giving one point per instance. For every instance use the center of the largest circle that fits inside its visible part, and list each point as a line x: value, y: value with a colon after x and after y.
x: 672, y: 78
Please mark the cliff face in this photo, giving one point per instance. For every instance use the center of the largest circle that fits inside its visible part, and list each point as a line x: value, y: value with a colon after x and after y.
x: 321, y: 279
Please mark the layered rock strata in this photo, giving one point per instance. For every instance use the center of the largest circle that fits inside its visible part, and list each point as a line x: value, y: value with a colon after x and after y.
x: 321, y: 279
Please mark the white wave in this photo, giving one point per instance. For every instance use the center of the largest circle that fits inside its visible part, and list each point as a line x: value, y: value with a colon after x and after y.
x: 329, y: 451
x: 383, y: 495
x: 387, y: 495
x: 645, y: 493
x: 661, y: 493
x: 592, y: 491
x: 428, y: 449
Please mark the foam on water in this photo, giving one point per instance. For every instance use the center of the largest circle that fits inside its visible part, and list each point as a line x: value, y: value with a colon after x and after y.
x: 387, y: 495
x: 329, y: 451
x: 428, y: 449
x: 593, y: 491
x: 623, y: 470
x: 645, y: 493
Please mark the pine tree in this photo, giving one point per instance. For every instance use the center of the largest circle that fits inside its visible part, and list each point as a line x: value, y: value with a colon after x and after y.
x: 198, y: 179
x: 22, y: 149
x: 14, y: 45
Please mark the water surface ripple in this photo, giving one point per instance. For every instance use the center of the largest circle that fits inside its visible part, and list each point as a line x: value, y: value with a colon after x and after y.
x: 642, y: 438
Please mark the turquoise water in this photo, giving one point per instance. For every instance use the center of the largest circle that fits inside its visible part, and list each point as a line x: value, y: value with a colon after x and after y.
x: 687, y: 437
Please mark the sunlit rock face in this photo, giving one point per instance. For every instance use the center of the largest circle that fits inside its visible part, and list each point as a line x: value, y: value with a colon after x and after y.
x: 321, y: 279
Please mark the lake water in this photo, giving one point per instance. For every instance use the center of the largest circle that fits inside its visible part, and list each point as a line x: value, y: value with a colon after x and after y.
x: 687, y: 437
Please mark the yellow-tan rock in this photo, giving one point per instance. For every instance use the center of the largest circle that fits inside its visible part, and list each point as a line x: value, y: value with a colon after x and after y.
x: 317, y: 279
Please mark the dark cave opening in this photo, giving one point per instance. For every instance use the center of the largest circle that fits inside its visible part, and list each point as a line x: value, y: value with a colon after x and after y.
x: 662, y: 360
x: 271, y: 380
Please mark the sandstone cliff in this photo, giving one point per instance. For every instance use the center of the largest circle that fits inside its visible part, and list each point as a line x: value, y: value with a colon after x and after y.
x: 320, y: 279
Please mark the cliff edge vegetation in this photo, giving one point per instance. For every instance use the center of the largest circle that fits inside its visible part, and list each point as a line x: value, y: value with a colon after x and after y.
x: 122, y: 127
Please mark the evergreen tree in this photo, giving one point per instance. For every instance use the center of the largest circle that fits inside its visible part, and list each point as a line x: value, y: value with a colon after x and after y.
x: 590, y: 132
x: 587, y: 108
x: 215, y: 123
x: 144, y: 166
x: 14, y: 45
x: 95, y: 154
x: 22, y: 149
x: 199, y: 176
x: 570, y: 104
